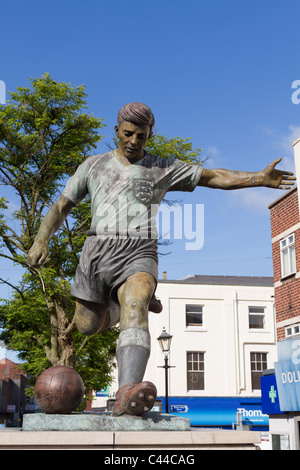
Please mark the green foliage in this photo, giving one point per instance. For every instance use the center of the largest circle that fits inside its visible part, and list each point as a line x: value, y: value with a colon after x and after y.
x: 176, y: 147
x: 44, y: 135
x: 28, y: 330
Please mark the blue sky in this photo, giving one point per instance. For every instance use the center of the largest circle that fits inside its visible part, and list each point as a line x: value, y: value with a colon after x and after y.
x: 217, y: 71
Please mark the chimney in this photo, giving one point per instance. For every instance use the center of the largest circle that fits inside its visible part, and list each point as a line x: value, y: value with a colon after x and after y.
x: 165, y: 276
x: 296, y: 146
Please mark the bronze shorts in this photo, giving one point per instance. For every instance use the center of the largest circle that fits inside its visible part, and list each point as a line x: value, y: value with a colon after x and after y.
x: 106, y: 263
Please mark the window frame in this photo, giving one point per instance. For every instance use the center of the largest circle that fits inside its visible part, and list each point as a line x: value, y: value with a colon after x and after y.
x: 198, y: 370
x: 287, y: 248
x: 191, y: 325
x: 257, y: 372
x: 263, y: 314
x: 293, y: 330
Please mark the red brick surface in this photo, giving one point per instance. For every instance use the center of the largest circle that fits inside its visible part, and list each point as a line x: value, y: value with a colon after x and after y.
x: 284, y: 215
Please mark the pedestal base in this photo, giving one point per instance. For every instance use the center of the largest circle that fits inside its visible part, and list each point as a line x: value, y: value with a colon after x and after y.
x: 152, y: 421
x: 107, y: 441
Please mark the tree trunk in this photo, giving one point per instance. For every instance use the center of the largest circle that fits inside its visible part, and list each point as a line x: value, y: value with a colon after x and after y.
x: 62, y: 345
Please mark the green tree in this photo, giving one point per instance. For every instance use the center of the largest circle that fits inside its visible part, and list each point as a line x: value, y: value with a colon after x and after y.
x: 175, y: 147
x: 44, y: 135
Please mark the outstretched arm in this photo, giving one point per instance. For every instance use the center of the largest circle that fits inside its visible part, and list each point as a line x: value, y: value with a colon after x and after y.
x: 50, y: 224
x: 228, y: 179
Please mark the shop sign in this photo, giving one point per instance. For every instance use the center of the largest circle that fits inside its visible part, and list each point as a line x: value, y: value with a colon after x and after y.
x: 287, y: 371
x: 269, y: 395
x: 11, y: 408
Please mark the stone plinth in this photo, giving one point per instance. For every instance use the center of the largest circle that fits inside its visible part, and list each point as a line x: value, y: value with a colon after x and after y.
x: 87, y: 421
x: 14, y: 439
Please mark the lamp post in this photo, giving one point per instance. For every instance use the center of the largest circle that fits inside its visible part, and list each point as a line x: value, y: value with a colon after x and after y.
x: 165, y: 342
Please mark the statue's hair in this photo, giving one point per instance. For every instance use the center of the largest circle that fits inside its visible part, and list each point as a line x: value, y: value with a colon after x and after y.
x: 138, y: 114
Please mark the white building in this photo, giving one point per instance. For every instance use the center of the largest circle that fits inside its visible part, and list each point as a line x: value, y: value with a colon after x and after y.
x: 224, y: 336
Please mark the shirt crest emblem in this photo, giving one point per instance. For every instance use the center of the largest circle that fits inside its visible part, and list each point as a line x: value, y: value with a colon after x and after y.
x: 143, y: 189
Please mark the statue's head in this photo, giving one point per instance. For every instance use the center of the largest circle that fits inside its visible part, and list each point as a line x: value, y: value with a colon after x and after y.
x: 135, y: 127
x: 138, y: 114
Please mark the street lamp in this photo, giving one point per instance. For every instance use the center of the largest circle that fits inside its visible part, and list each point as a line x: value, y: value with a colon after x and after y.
x: 165, y: 342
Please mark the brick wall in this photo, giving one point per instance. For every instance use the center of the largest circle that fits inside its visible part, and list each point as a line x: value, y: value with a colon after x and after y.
x: 287, y: 302
x: 285, y: 214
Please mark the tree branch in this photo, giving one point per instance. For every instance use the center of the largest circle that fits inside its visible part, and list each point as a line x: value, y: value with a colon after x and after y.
x: 70, y: 239
x: 3, y: 281
x: 14, y: 260
x: 83, y: 343
x: 46, y: 348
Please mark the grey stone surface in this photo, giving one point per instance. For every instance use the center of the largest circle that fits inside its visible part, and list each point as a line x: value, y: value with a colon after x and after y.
x: 89, y: 421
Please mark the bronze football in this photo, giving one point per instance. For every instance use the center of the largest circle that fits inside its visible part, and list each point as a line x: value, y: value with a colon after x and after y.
x: 59, y: 390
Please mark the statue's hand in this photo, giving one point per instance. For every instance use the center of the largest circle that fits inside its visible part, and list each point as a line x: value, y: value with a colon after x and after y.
x: 38, y: 253
x: 273, y: 178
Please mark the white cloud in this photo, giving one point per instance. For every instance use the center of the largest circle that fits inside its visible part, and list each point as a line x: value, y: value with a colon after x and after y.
x: 283, y: 143
x: 258, y: 199
x: 255, y: 199
x: 214, y: 156
x: 287, y: 140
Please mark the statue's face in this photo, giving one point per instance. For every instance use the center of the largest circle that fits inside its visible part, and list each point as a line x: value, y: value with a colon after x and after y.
x: 132, y: 139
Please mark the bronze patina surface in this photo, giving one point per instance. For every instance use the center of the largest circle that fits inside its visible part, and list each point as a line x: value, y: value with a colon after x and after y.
x: 117, y: 275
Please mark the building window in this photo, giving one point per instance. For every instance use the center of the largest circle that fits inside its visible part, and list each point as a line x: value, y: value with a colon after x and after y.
x: 258, y: 364
x: 194, y: 315
x: 256, y: 318
x: 293, y: 330
x: 288, y: 257
x: 195, y: 370
x: 280, y: 442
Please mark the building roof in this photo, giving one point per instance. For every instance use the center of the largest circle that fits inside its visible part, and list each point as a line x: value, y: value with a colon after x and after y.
x: 6, y: 361
x: 263, y: 281
x: 285, y: 194
x: 9, y: 369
